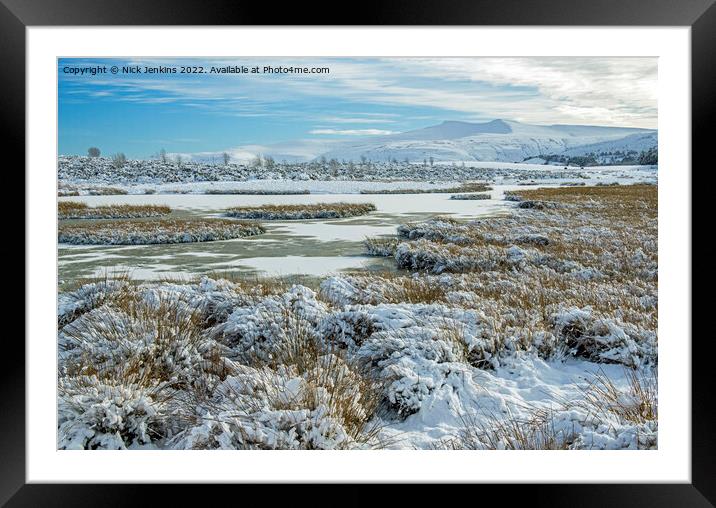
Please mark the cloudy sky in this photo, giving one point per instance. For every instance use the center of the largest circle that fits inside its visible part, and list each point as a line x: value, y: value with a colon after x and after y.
x: 300, y: 114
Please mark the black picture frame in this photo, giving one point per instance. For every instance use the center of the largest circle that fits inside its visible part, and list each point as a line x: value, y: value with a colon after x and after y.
x: 700, y: 15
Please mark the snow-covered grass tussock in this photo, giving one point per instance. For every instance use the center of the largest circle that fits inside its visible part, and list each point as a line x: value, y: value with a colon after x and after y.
x: 168, y: 365
x: 209, y: 365
x: 66, y: 189
x: 257, y: 192
x: 144, y: 232
x: 77, y: 210
x: 476, y: 196
x: 302, y: 211
x: 584, y: 272
x: 463, y: 187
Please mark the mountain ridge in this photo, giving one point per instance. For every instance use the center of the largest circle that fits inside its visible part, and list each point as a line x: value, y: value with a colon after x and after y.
x: 497, y: 140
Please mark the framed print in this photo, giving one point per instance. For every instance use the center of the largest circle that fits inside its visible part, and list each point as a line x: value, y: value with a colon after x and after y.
x: 439, y: 245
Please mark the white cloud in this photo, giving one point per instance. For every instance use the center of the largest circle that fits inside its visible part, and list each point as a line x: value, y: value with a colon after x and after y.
x: 606, y: 91
x: 353, y: 119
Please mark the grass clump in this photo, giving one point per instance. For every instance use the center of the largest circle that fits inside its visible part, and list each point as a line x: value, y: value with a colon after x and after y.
x: 604, y: 416
x: 77, y: 210
x: 348, y: 391
x: 463, y: 187
x: 638, y: 404
x: 128, y: 366
x: 156, y: 231
x: 476, y: 196
x: 105, y: 191
x: 140, y: 339
x: 303, y: 211
x: 380, y: 246
x: 291, y: 391
x: 413, y: 290
x: 257, y: 192
x: 489, y: 431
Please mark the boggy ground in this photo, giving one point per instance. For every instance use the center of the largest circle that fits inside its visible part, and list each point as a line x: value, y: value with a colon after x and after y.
x: 532, y: 331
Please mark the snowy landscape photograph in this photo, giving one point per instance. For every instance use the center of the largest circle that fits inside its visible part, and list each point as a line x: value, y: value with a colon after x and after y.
x: 357, y: 253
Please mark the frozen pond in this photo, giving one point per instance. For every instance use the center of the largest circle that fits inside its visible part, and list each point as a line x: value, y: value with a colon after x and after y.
x: 309, y: 247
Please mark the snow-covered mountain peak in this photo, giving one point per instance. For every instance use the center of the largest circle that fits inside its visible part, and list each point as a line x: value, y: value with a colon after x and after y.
x: 452, y: 129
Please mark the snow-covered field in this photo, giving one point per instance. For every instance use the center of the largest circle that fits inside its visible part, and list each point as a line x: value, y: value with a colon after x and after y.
x: 532, y: 328
x: 84, y: 176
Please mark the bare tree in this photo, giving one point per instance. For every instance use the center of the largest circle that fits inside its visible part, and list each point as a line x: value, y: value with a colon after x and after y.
x: 333, y: 164
x: 226, y: 158
x: 432, y: 161
x: 257, y: 161
x: 93, y: 151
x: 163, y: 155
x: 178, y: 160
x: 119, y: 160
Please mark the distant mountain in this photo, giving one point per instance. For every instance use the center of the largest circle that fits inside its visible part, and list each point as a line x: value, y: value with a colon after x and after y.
x: 455, y: 130
x: 498, y: 140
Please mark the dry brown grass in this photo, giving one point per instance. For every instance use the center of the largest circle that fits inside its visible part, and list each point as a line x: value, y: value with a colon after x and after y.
x: 105, y: 191
x: 78, y: 210
x: 608, y: 231
x: 380, y: 246
x: 258, y: 285
x: 350, y: 393
x: 104, y: 276
x: 639, y: 403
x: 509, y: 432
x: 602, y: 402
x: 620, y: 201
x: 250, y: 192
x: 301, y: 211
x: 474, y: 196
x: 463, y: 187
x: 413, y: 290
x: 135, y: 342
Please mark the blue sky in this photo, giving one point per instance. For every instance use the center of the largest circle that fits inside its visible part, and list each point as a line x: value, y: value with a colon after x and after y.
x: 298, y: 115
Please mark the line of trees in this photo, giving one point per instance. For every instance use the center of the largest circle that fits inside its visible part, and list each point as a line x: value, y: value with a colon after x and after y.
x: 649, y: 157
x: 611, y: 158
x: 266, y: 161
